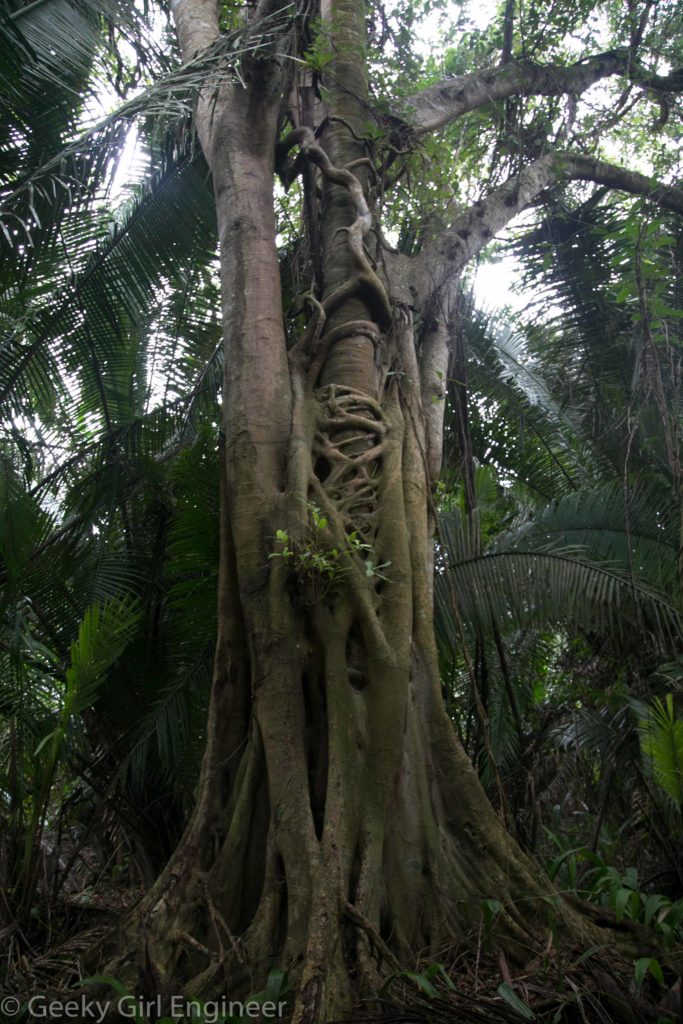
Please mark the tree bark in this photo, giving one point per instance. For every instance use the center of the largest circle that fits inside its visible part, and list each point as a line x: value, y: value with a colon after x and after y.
x: 445, y: 255
x: 444, y: 102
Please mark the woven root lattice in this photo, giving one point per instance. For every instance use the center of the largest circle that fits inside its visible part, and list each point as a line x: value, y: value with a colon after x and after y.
x: 348, y: 450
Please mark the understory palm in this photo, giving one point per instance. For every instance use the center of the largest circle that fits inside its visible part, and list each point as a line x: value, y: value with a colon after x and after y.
x: 559, y: 591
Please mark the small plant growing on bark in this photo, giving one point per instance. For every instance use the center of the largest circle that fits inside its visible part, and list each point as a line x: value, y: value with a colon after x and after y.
x: 316, y: 561
x: 312, y: 560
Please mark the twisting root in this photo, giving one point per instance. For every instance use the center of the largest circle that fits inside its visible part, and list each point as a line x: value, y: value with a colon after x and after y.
x: 350, y: 439
x: 348, y: 450
x: 365, y: 280
x: 355, y: 327
x: 308, y: 342
x: 382, y: 950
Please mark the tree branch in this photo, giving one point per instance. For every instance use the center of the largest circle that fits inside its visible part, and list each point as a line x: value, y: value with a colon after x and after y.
x: 475, y: 227
x: 508, y: 29
x: 449, y: 99
x: 435, y: 352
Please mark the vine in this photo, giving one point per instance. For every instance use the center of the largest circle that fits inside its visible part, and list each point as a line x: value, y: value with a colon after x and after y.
x: 348, y: 449
x: 364, y: 281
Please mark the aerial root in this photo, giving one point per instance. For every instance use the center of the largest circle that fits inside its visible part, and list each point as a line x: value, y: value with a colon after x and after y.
x: 351, y: 439
x: 382, y: 951
x: 365, y: 278
x: 220, y: 927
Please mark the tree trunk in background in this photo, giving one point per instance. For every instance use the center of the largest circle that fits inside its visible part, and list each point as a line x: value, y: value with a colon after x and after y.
x: 339, y: 824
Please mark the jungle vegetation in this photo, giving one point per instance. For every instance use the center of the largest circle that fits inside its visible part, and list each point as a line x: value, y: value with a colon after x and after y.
x: 341, y: 608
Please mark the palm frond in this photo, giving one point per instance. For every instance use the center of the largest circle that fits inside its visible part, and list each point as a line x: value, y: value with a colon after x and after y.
x: 634, y: 532
x: 122, y: 292
x: 516, y: 422
x: 588, y: 332
x: 39, y: 195
x: 661, y: 742
x: 58, y: 59
x: 507, y: 588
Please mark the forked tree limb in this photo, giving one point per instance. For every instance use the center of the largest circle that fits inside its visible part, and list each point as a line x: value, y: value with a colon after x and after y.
x: 448, y: 253
x: 446, y: 101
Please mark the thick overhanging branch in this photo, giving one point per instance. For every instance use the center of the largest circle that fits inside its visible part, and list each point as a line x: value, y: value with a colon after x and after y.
x: 440, y: 104
x: 576, y: 166
x: 475, y: 227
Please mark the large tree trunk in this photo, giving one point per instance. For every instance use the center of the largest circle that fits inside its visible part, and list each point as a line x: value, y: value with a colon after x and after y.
x: 339, y: 826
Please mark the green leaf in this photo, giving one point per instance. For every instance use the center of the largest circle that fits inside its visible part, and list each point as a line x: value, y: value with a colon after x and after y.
x: 437, y: 969
x: 622, y: 899
x: 56, y: 733
x: 508, y: 994
x: 652, y: 904
x: 105, y: 979
x: 646, y: 965
x: 491, y: 909
x: 423, y: 983
x: 589, y: 953
x: 661, y: 741
x: 105, y: 630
